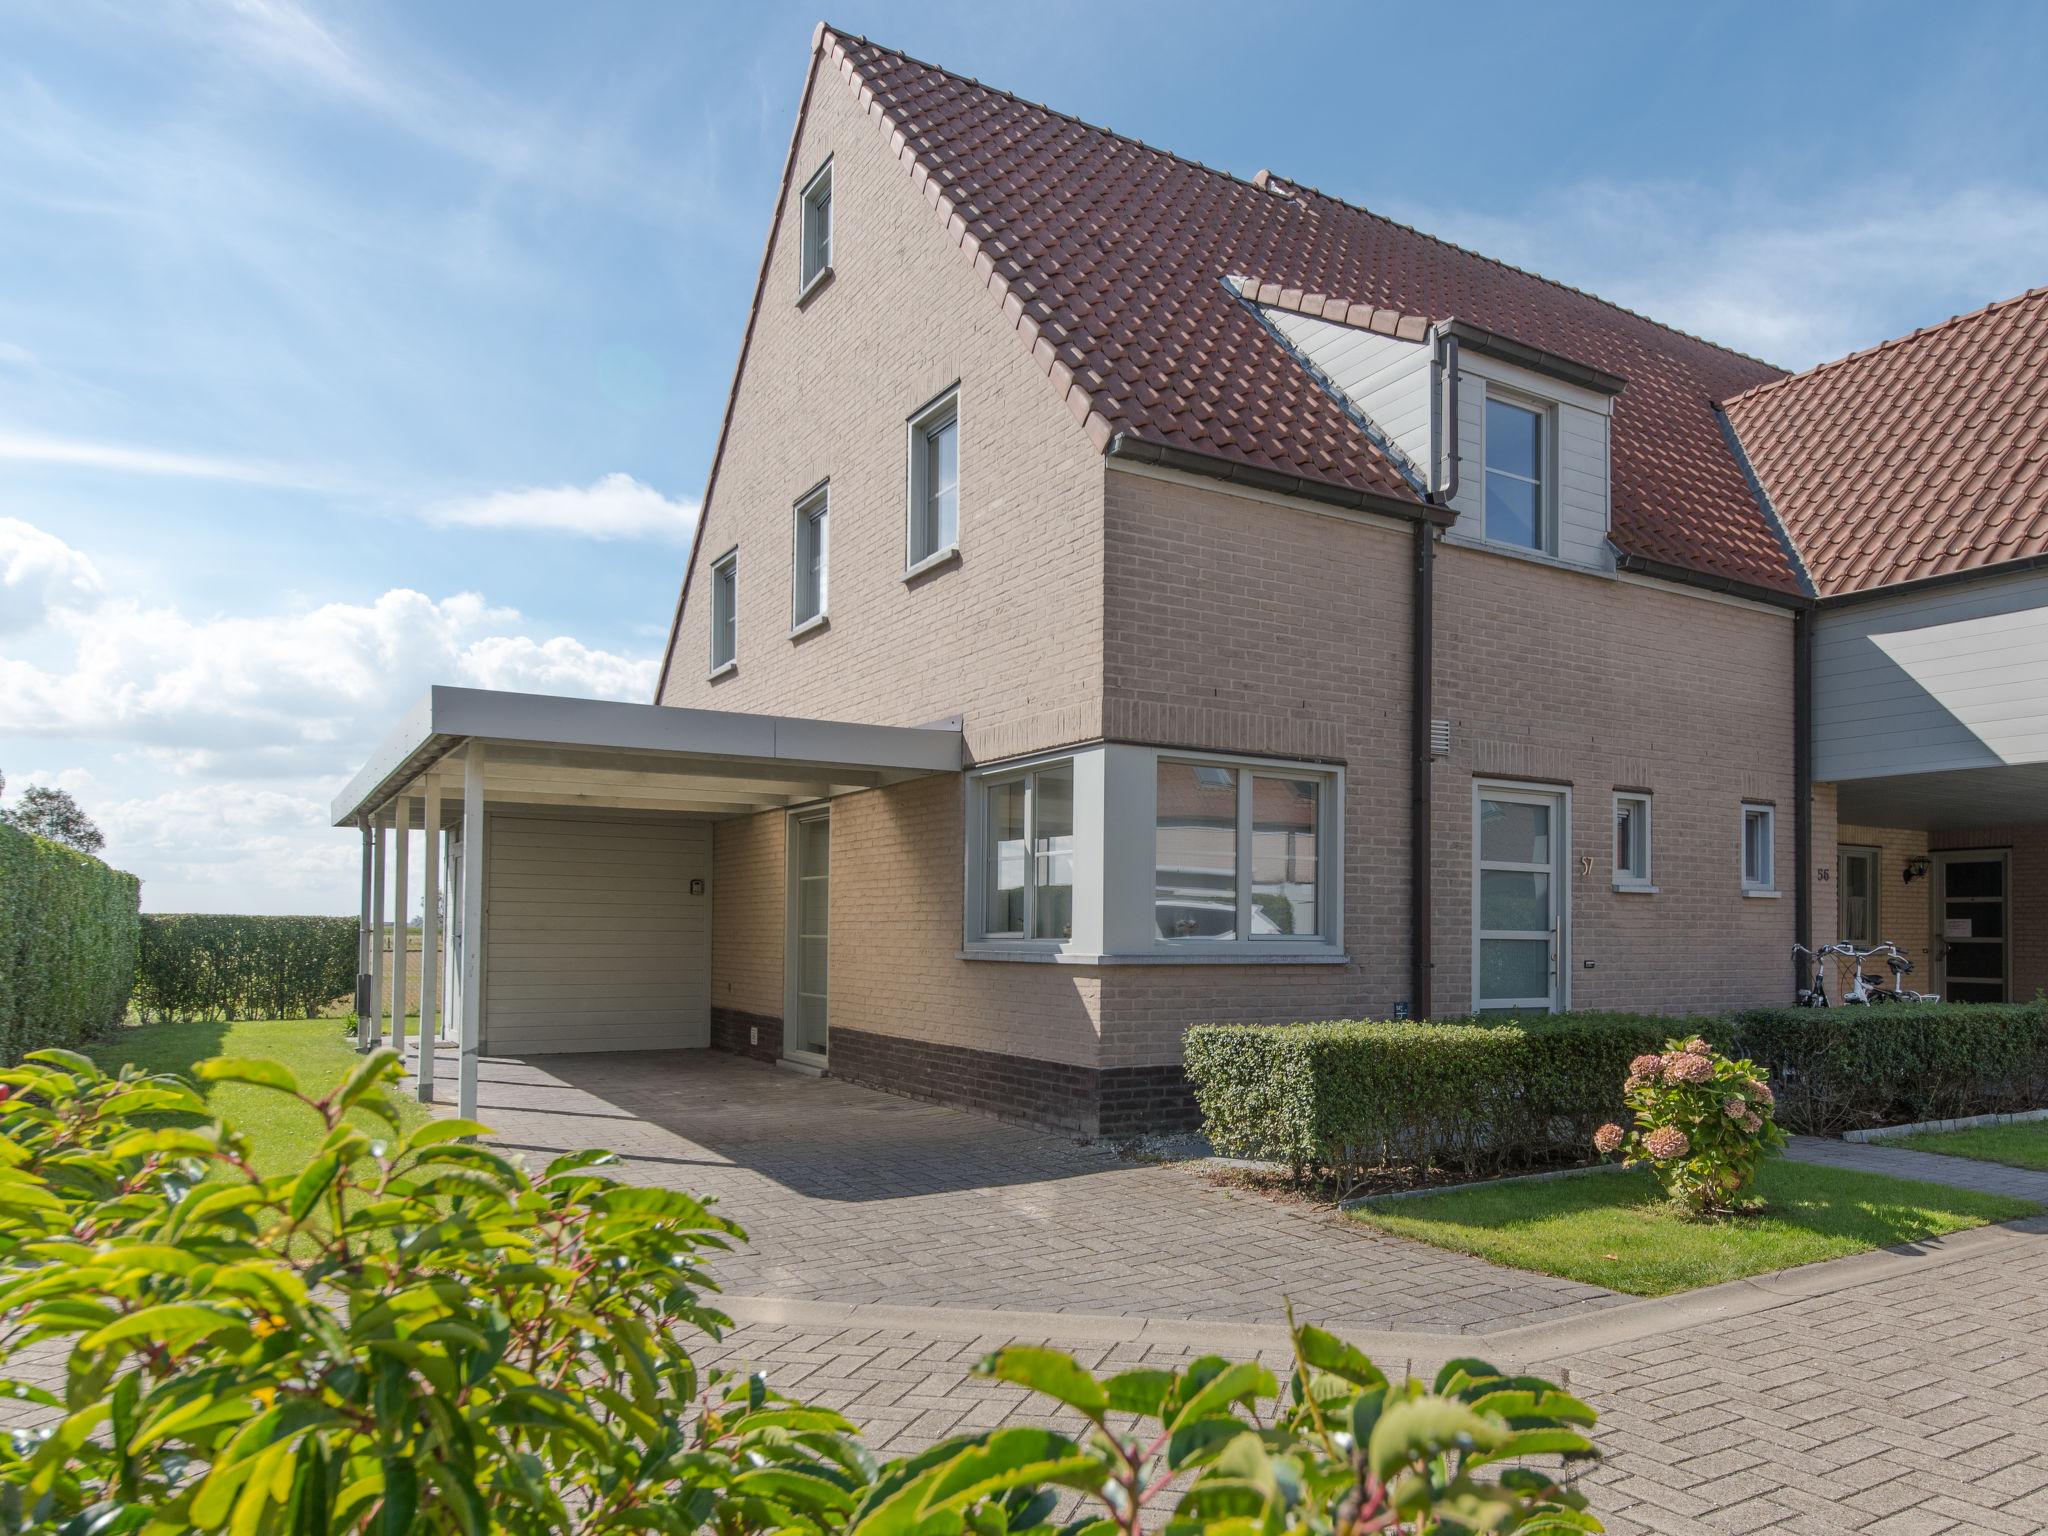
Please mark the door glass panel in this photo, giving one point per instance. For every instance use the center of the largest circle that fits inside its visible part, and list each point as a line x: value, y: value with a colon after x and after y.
x: 1959, y: 991
x: 1007, y: 857
x: 1515, y: 900
x: 1976, y: 962
x: 1283, y: 857
x: 1976, y: 877
x: 1514, y: 968
x: 1975, y: 920
x: 1053, y: 852
x: 1511, y: 832
x: 809, y: 1024
x: 1195, y: 859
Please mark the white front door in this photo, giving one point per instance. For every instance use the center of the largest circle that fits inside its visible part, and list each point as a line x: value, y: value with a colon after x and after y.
x: 1518, y: 899
x: 810, y: 901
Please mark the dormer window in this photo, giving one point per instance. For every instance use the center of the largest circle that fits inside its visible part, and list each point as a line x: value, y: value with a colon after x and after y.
x: 1517, y: 474
x: 815, y: 263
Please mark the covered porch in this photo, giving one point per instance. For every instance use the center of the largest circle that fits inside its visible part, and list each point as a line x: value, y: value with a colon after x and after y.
x: 565, y: 867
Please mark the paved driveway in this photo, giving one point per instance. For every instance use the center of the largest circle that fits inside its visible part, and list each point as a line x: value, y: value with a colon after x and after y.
x: 894, y: 1243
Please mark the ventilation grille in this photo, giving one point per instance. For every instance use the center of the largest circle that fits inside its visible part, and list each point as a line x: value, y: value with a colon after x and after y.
x: 1439, y: 738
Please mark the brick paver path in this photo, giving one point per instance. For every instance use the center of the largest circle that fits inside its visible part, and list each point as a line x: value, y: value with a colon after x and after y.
x: 894, y: 1243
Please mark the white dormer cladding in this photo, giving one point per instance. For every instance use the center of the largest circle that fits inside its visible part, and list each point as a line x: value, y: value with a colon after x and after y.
x: 1577, y: 460
x: 1385, y: 379
x: 1386, y: 382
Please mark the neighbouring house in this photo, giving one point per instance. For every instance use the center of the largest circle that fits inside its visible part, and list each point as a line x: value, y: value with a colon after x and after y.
x: 1127, y: 595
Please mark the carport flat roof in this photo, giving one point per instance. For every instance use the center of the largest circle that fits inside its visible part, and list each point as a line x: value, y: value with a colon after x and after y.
x: 546, y: 749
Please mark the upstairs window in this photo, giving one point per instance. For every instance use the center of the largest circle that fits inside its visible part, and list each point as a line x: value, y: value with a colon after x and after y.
x: 1631, y: 840
x: 811, y: 550
x: 1758, y: 833
x: 935, y: 481
x: 725, y: 611
x: 1517, y: 511
x: 816, y: 255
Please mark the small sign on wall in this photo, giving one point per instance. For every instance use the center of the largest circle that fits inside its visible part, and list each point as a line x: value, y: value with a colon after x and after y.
x: 1956, y: 928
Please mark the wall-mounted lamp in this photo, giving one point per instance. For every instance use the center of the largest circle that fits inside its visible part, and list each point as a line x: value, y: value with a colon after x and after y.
x: 1916, y: 869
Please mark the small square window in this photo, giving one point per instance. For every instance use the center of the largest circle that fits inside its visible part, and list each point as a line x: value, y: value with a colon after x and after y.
x: 1631, y: 839
x: 1759, y: 827
x: 812, y: 548
x: 725, y: 611
x: 816, y: 254
x: 934, y: 480
x: 1517, y: 456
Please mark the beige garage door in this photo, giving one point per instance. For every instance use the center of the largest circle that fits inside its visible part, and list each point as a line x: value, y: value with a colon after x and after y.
x: 594, y: 940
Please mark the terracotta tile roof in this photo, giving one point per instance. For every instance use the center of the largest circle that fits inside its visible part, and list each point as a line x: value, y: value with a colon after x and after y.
x: 1925, y: 455
x: 1110, y: 257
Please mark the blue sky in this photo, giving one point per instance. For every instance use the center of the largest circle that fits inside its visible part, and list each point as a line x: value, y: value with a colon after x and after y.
x: 344, y: 349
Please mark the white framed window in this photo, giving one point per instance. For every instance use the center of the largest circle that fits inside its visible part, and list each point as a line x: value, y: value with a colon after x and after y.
x: 1518, y: 453
x: 725, y: 611
x: 1240, y: 852
x: 1631, y: 840
x: 1759, y: 829
x: 810, y: 553
x: 1858, y: 907
x: 934, y: 482
x: 1027, y: 854
x: 815, y: 259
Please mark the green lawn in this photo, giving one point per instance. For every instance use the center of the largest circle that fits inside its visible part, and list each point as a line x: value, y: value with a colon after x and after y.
x: 2017, y: 1146
x: 284, y: 1134
x: 1615, y: 1230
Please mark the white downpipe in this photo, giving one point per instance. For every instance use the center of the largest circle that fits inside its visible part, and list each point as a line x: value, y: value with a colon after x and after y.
x: 430, y: 940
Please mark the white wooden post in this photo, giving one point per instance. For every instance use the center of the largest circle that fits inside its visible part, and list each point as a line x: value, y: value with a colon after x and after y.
x: 430, y: 940
x: 451, y: 974
x: 472, y: 927
x: 363, y: 934
x: 402, y: 814
x: 371, y: 1026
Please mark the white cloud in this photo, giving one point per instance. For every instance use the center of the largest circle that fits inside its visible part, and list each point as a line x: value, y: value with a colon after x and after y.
x: 30, y: 448
x: 1797, y: 281
x: 616, y: 506
x: 231, y: 848
x: 39, y: 573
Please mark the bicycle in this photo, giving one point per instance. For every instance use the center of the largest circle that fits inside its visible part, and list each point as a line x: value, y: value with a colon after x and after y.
x: 1864, y: 990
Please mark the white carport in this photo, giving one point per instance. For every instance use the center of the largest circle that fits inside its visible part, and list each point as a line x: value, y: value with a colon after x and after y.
x: 588, y: 824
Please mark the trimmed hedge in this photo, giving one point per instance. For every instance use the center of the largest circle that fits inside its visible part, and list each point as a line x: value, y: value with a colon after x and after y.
x: 1843, y: 1069
x: 216, y: 966
x: 68, y: 938
x: 1486, y: 1096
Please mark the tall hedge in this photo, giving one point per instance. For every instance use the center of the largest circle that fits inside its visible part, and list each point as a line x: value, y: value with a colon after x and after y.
x: 68, y: 938
x: 221, y: 966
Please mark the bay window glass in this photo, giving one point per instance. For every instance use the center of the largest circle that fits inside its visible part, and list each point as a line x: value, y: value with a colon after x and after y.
x: 1284, y: 843
x: 1052, y: 852
x: 1008, y: 861
x: 1194, y: 887
x: 1029, y: 855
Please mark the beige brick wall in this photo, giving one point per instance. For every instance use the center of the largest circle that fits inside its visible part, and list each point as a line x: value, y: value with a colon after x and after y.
x: 749, y: 905
x: 1010, y: 637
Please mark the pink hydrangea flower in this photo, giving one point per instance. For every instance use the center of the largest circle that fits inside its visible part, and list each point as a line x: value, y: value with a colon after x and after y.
x: 1666, y: 1142
x: 1645, y: 1066
x: 1751, y: 1123
x: 1734, y: 1108
x: 1607, y: 1138
x: 1696, y: 1046
x: 1761, y: 1092
x: 1689, y: 1067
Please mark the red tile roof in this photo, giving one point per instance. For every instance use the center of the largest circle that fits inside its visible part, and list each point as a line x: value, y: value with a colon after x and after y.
x: 1916, y: 458
x: 1110, y: 256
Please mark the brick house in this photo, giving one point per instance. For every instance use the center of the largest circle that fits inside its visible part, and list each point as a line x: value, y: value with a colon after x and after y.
x: 1183, y: 598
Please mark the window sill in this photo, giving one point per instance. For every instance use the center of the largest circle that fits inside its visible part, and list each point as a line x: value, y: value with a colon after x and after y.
x: 1635, y: 888
x: 1030, y: 954
x: 1762, y: 895
x: 724, y: 669
x: 933, y: 561
x: 818, y: 280
x: 814, y: 623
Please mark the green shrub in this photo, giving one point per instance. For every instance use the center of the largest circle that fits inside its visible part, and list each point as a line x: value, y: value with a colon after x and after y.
x: 1478, y: 1097
x: 1704, y: 1123
x: 67, y: 944
x: 1839, y: 1069
x: 411, y: 1335
x: 216, y: 966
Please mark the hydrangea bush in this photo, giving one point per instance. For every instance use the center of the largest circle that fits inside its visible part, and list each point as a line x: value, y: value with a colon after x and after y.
x: 1703, y: 1123
x: 413, y: 1335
